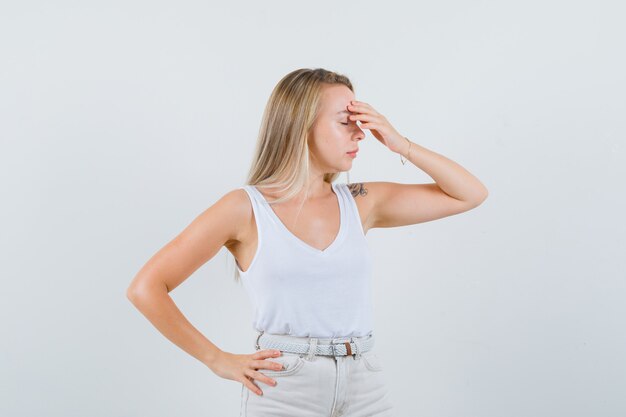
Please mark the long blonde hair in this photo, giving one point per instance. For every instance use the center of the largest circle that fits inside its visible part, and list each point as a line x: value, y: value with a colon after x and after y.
x: 281, y: 156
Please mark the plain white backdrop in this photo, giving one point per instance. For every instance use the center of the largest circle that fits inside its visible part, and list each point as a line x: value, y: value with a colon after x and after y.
x: 120, y: 122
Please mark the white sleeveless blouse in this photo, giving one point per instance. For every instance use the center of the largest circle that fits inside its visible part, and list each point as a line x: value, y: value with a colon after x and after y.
x: 299, y: 290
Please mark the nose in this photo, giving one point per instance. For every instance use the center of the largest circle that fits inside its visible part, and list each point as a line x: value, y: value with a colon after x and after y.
x: 360, y: 134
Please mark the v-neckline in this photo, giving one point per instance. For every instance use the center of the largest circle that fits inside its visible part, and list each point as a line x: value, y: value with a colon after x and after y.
x: 338, y: 236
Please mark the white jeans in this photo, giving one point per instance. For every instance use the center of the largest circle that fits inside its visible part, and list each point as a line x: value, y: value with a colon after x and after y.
x: 320, y: 386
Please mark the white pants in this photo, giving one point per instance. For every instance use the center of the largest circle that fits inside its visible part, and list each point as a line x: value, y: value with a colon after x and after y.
x: 320, y: 386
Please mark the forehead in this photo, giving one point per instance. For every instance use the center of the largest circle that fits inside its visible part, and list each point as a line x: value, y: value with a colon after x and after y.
x: 335, y: 99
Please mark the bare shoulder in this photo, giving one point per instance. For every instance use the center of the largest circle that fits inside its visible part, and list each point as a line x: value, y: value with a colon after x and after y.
x: 237, y: 203
x: 221, y: 224
x: 364, y: 196
x: 367, y: 193
x: 358, y: 188
x: 232, y: 219
x: 391, y: 204
x: 223, y: 220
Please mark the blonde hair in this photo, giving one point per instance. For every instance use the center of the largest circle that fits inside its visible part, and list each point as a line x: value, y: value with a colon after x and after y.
x: 281, y: 156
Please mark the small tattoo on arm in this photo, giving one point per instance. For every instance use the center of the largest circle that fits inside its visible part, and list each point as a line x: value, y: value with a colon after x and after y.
x: 357, y: 189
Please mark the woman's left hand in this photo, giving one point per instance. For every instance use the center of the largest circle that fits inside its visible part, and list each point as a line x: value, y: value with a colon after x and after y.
x: 378, y: 125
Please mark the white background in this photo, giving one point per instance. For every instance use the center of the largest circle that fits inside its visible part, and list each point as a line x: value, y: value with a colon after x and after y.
x: 121, y: 121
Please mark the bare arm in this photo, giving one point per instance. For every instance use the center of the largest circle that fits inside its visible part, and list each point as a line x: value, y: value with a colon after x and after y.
x: 175, y: 262
x: 219, y: 225
x: 456, y: 190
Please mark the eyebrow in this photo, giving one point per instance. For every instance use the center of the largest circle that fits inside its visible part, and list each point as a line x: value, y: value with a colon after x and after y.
x: 343, y: 111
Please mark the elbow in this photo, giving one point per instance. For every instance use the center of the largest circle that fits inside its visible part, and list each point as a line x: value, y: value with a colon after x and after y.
x: 132, y: 294
x: 484, y: 196
x: 136, y: 292
x: 477, y: 201
x: 143, y: 289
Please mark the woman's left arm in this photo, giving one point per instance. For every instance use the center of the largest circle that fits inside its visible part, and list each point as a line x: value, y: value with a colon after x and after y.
x: 452, y: 178
x: 455, y: 189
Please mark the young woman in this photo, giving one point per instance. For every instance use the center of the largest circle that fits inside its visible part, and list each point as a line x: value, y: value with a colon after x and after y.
x: 298, y: 239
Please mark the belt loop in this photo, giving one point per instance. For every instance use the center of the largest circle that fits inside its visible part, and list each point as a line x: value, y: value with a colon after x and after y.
x: 312, y: 348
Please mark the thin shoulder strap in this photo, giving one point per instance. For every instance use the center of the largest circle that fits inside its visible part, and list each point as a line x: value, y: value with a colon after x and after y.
x: 351, y: 205
x: 257, y: 203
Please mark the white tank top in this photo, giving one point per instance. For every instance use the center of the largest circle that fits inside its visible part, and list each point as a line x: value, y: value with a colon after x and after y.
x: 299, y: 290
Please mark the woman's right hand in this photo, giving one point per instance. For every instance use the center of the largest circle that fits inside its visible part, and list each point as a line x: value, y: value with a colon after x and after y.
x: 243, y: 367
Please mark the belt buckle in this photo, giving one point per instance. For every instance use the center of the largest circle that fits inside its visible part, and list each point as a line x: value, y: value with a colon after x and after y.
x: 333, y: 347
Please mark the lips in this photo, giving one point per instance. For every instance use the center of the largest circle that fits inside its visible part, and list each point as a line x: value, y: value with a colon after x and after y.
x: 356, y: 150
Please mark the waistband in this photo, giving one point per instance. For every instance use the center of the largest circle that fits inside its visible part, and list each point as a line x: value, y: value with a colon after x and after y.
x: 341, y: 346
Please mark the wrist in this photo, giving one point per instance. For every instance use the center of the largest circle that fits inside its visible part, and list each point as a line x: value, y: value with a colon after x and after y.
x: 404, y: 147
x: 211, y: 357
x: 405, y: 152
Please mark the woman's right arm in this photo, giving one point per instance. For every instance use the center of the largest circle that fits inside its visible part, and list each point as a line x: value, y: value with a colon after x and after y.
x: 149, y: 290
